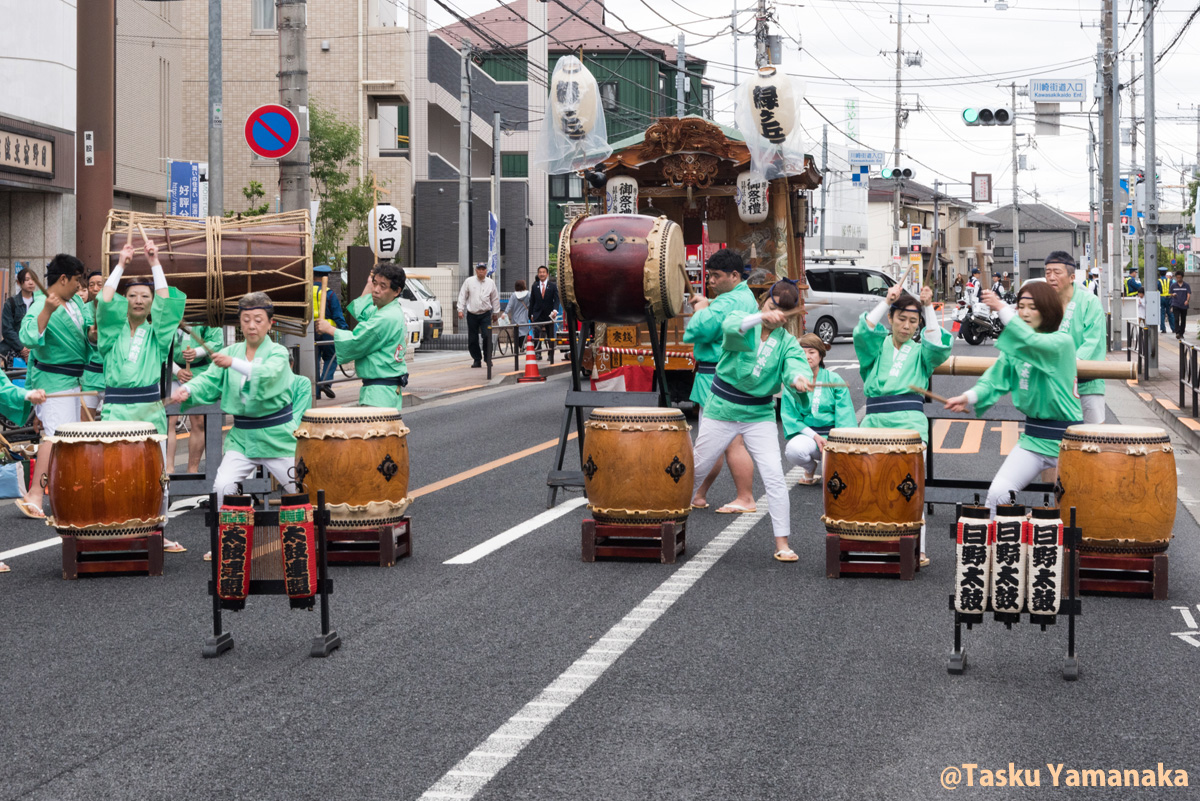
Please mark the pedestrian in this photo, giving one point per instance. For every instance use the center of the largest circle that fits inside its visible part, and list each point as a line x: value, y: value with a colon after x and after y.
x: 808, y: 418
x: 1083, y: 318
x: 14, y: 312
x: 1036, y: 365
x: 518, y: 312
x: 188, y: 360
x: 997, y: 285
x: 1141, y: 306
x: 1132, y: 284
x: 543, y: 305
x: 479, y: 302
x: 55, y: 331
x: 704, y: 332
x: 1092, y: 284
x: 134, y: 335
x: 959, y: 287
x: 377, y: 345
x: 759, y: 357
x: 1164, y: 299
x: 326, y: 354
x: 1181, y: 297
x: 889, y: 365
x: 93, y: 368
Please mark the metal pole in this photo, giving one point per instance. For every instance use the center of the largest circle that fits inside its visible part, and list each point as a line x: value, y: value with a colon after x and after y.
x: 1016, y: 238
x: 825, y: 181
x: 294, y: 172
x: 464, y: 166
x: 680, y: 90
x: 1114, y: 153
x: 216, y: 149
x: 496, y: 191
x: 1091, y: 261
x: 896, y: 149
x: 933, y: 245
x: 1151, y: 192
x: 1133, y: 218
x: 733, y: 27
x: 760, y: 36
x: 95, y: 104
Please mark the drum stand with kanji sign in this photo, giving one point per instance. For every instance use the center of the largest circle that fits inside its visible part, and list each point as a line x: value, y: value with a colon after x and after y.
x: 1069, y: 606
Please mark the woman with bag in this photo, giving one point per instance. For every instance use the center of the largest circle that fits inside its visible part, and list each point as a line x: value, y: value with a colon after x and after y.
x: 518, y: 312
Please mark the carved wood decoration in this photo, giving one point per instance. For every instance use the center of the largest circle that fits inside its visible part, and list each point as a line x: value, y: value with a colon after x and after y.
x: 690, y: 169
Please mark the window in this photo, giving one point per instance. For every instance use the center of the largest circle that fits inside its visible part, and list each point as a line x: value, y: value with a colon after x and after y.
x: 262, y: 14
x: 385, y: 14
x: 708, y: 102
x: 1000, y: 251
x: 514, y: 165
x: 850, y: 281
x: 818, y: 280
x: 608, y: 95
x: 565, y: 187
x: 876, y: 284
x: 1021, y: 237
x: 392, y: 121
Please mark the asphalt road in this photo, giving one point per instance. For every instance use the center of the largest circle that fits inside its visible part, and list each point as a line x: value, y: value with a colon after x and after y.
x: 726, y: 676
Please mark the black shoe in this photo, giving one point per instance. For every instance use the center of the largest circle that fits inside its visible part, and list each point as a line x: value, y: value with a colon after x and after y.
x: 476, y: 364
x: 328, y: 392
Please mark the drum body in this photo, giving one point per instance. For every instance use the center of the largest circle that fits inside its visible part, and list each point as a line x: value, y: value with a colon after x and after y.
x: 359, y: 456
x: 106, y: 479
x: 874, y: 483
x: 1122, y: 482
x: 637, y: 464
x: 612, y: 265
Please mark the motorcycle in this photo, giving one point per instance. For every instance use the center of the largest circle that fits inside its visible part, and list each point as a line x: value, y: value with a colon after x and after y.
x: 978, y: 325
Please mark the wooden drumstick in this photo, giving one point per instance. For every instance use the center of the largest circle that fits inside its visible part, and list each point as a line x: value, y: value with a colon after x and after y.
x: 145, y: 238
x: 928, y: 394
x: 38, y: 283
x: 88, y: 412
x: 187, y: 329
x: 85, y: 394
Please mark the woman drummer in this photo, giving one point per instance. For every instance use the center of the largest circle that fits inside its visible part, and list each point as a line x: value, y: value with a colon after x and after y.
x: 808, y: 417
x: 891, y: 363
x: 1037, y: 365
x: 758, y: 356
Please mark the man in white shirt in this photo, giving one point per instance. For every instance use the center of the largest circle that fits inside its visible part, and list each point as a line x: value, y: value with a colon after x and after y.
x: 479, y: 302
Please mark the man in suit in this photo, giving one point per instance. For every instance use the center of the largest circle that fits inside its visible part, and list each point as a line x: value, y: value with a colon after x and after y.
x: 543, y: 304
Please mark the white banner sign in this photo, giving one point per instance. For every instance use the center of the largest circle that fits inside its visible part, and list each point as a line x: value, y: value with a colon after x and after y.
x: 871, y: 158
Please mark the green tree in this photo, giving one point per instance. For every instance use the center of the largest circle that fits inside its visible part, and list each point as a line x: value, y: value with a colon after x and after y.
x: 253, y: 192
x: 333, y: 153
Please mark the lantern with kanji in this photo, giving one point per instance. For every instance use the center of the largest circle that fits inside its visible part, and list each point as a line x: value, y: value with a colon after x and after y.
x: 574, y: 98
x: 621, y: 195
x: 773, y: 104
x: 384, y: 231
x: 751, y: 197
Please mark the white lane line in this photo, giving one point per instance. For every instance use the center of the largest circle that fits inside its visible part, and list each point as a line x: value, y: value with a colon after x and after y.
x: 515, y: 533
x: 572, y: 682
x: 30, y: 548
x: 1188, y: 620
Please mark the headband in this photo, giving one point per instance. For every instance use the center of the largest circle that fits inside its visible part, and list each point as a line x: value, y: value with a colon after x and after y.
x: 913, y: 307
x: 268, y: 308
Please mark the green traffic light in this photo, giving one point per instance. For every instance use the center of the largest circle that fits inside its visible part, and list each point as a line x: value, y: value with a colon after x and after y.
x: 971, y: 116
x: 887, y: 172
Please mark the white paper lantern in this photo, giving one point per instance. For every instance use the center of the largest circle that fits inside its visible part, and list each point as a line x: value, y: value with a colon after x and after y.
x: 384, y: 231
x: 621, y: 195
x: 751, y: 197
x: 773, y: 103
x: 574, y: 98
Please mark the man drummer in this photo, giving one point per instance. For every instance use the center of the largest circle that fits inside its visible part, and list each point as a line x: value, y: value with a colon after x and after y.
x: 730, y: 293
x: 1083, y: 318
x: 377, y: 343
x: 55, y: 331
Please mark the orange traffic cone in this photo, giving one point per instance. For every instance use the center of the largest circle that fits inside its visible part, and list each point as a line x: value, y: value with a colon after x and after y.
x: 532, y: 374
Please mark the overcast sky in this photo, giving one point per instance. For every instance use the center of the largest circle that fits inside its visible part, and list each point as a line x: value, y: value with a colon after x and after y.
x: 967, y: 48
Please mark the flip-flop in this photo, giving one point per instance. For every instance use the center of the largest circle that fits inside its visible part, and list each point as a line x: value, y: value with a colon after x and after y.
x: 5, y: 568
x: 208, y: 556
x: 170, y: 546
x: 29, y: 510
x: 786, y: 555
x: 810, y: 481
x: 700, y: 505
x: 734, y: 509
x: 924, y: 560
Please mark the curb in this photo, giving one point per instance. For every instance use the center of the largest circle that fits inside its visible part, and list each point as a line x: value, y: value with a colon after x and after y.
x: 1180, y: 424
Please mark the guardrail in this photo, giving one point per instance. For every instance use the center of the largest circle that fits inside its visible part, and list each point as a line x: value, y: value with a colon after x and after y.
x: 1137, y: 341
x: 1189, y: 376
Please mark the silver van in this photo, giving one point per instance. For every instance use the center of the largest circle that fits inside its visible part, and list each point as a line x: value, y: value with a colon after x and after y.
x: 838, y: 296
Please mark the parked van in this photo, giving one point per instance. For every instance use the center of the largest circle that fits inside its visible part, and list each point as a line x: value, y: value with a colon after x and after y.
x: 848, y: 292
x: 418, y: 298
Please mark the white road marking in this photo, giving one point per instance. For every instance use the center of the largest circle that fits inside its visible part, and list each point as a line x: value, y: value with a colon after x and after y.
x: 1188, y: 619
x: 33, y: 546
x: 1188, y: 636
x: 476, y: 769
x: 515, y: 533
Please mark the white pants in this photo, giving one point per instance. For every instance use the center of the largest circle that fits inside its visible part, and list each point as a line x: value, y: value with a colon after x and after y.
x: 762, y: 441
x: 1018, y: 472
x: 93, y: 401
x: 236, y: 466
x: 1093, y: 408
x: 803, y: 452
x: 57, y: 411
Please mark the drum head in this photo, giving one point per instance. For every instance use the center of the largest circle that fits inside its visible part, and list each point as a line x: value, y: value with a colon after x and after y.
x: 351, y: 414
x: 664, y: 280
x: 612, y: 414
x: 1094, y: 432
x: 873, y: 435
x: 104, y: 430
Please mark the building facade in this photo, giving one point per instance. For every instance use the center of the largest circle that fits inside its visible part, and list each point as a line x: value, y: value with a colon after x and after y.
x: 959, y: 240
x: 1041, y: 229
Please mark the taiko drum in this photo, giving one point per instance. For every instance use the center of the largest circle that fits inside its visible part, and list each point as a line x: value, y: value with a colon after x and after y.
x: 1122, y: 482
x: 106, y: 479
x: 874, y: 483
x: 637, y: 465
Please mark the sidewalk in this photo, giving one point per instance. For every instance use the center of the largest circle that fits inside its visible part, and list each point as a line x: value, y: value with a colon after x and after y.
x: 1161, y: 394
x: 438, y: 374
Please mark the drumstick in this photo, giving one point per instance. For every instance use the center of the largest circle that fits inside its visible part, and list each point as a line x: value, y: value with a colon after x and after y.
x: 87, y: 394
x: 187, y: 329
x: 928, y: 394
x: 88, y: 412
x: 145, y: 238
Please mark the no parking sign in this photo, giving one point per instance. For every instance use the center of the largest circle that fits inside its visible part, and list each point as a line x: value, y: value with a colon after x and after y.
x: 272, y: 131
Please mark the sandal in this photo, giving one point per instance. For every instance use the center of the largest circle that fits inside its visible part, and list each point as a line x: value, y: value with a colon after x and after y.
x: 924, y: 560
x: 786, y: 555
x: 5, y: 568
x: 170, y: 546
x: 734, y: 509
x: 700, y: 505
x: 208, y: 556
x: 29, y: 510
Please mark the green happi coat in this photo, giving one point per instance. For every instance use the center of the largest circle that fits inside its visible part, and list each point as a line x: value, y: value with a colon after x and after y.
x: 135, y: 358
x: 268, y: 390
x: 63, y: 342
x: 93, y: 371
x: 362, y: 307
x: 212, y: 335
x: 1039, y: 370
x: 13, y: 405
x: 1083, y: 319
x: 888, y: 370
x: 755, y: 366
x: 302, y: 398
x: 376, y: 346
x: 824, y: 407
x: 704, y: 332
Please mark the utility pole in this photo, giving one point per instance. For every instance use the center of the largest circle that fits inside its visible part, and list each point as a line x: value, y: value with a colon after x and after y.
x: 825, y: 180
x: 294, y: 168
x: 934, y: 266
x: 733, y: 12
x: 1092, y: 201
x: 1113, y: 152
x: 680, y: 81
x: 95, y: 53
x: 496, y: 191
x: 896, y: 149
x: 1151, y: 192
x: 1132, y: 181
x: 761, y: 57
x: 216, y: 146
x: 1016, y: 239
x: 464, y: 164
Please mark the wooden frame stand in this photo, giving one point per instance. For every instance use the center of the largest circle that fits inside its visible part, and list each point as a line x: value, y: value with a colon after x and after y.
x: 663, y: 542
x: 1128, y: 575
x: 379, y: 545
x: 98, y: 556
x: 899, y: 557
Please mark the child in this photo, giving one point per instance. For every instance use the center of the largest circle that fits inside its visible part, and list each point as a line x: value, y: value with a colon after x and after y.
x: 808, y: 418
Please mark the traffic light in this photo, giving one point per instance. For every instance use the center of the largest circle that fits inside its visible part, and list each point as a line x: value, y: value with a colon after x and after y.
x: 897, y: 173
x: 987, y: 116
